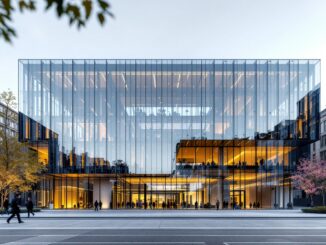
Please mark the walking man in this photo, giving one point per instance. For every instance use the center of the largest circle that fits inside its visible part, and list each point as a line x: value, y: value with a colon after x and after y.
x: 15, y: 210
x: 100, y: 204
x: 96, y: 205
x: 217, y: 204
x: 29, y: 206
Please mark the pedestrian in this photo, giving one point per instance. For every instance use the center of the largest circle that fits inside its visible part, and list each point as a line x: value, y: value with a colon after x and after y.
x: 250, y: 205
x: 96, y: 205
x: 29, y: 207
x: 217, y: 204
x: 196, y: 205
x: 15, y: 210
x: 100, y: 204
x: 6, y: 206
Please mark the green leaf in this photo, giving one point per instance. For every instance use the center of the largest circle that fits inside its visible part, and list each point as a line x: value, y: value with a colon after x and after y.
x: 101, y: 18
x: 49, y: 4
x: 60, y: 8
x: 11, y: 31
x: 81, y: 24
x: 73, y: 11
x: 7, y: 5
x: 5, y: 36
x: 21, y: 5
x: 78, y: 12
x: 103, y: 4
x: 29, y: 5
x: 88, y: 6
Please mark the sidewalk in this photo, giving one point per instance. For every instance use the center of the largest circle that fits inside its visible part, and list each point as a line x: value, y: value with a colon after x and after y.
x: 211, y: 214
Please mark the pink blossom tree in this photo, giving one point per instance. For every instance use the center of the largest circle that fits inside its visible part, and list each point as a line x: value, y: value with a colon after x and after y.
x: 311, y: 178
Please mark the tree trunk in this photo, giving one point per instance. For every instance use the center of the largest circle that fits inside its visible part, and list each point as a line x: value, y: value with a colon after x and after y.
x: 3, y: 195
x: 311, y: 201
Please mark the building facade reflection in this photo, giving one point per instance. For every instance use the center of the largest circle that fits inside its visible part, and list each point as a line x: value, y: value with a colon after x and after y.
x: 168, y: 133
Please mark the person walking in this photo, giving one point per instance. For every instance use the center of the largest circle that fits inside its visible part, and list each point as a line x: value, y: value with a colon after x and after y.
x: 100, y: 204
x: 96, y: 205
x: 6, y: 206
x: 217, y: 204
x: 15, y: 210
x: 29, y: 207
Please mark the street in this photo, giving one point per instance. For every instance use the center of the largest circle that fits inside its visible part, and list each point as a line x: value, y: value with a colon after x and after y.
x: 164, y: 230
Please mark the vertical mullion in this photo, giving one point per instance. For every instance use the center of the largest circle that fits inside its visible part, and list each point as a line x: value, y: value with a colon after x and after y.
x: 267, y: 94
x: 125, y: 112
x: 255, y: 116
x: 214, y: 93
x: 85, y: 104
x: 145, y: 115
x: 233, y: 98
x: 62, y: 110
x: 161, y: 102
x: 41, y: 100
x: 223, y: 74
x: 135, y: 109
x: 106, y: 111
x: 245, y: 99
x: 72, y: 111
x: 94, y: 101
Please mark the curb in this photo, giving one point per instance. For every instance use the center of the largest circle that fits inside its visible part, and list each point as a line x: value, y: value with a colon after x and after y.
x: 171, y: 217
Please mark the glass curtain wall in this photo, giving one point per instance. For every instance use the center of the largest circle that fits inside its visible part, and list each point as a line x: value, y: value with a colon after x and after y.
x: 125, y: 118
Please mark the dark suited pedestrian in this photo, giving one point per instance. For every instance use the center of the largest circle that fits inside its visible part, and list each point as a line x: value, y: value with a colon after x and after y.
x: 29, y: 207
x: 96, y: 205
x: 15, y: 210
x: 6, y: 206
x: 100, y: 204
x: 217, y: 204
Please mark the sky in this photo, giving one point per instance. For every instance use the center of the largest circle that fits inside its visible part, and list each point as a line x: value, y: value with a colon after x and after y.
x: 242, y: 29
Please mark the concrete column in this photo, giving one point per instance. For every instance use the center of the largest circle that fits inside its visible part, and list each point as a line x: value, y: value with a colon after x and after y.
x: 216, y: 192
x: 288, y: 197
x: 102, y: 191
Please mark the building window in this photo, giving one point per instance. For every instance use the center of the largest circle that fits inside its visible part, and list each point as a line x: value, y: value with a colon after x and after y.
x: 323, y: 141
x: 323, y: 155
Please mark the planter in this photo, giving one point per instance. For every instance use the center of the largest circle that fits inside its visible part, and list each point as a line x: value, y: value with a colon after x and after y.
x: 317, y: 210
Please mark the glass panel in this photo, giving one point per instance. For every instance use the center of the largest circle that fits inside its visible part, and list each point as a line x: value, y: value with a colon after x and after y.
x: 169, y: 133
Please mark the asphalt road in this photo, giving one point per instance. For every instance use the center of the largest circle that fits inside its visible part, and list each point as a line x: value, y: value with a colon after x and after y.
x: 157, y: 231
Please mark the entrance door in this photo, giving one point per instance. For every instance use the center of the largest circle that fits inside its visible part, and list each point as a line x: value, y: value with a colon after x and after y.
x: 238, y: 199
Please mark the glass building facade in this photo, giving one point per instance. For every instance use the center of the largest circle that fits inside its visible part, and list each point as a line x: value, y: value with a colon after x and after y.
x: 168, y: 133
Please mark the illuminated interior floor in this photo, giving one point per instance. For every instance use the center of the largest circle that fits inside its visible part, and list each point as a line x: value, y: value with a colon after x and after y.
x: 237, y: 190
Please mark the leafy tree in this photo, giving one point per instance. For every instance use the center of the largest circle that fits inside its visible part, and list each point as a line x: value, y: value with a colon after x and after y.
x: 120, y: 166
x: 19, y: 167
x: 311, y: 178
x: 77, y: 12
